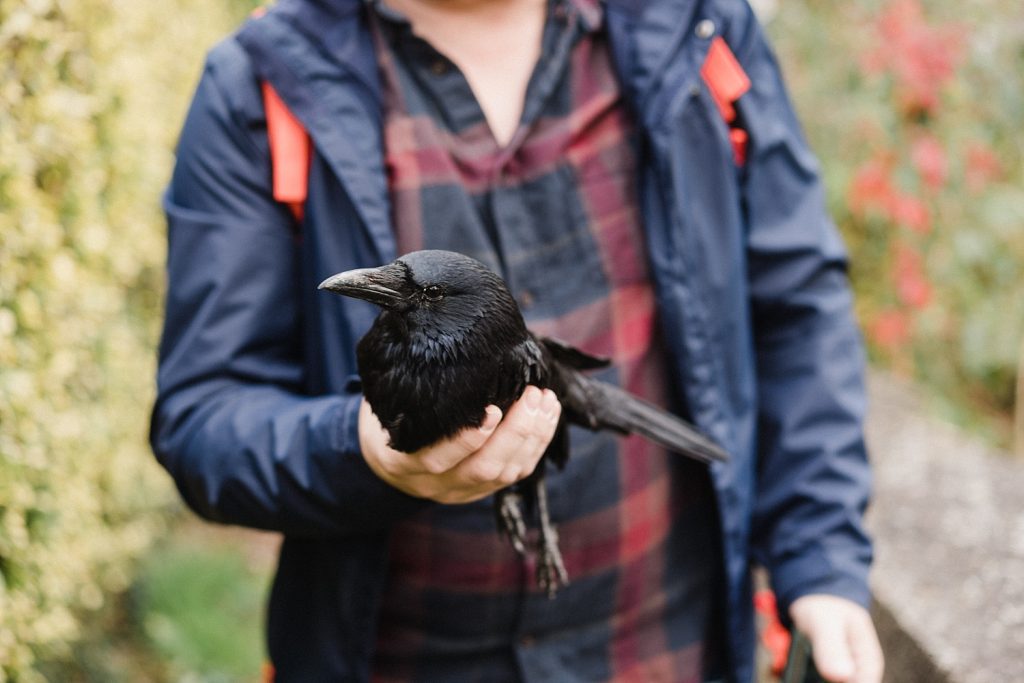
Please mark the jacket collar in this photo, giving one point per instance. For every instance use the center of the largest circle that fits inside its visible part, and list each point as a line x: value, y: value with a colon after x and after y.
x: 318, y: 55
x: 645, y: 35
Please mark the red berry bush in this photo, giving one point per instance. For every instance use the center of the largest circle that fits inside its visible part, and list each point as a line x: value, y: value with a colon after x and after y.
x: 914, y: 108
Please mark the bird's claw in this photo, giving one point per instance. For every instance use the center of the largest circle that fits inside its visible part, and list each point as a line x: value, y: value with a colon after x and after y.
x: 510, y: 514
x: 551, y: 574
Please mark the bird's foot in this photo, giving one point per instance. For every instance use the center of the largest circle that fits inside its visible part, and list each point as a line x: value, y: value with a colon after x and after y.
x: 551, y: 574
x: 510, y: 518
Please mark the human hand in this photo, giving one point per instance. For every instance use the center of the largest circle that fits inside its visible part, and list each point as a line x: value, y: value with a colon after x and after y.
x: 843, y: 638
x: 474, y: 463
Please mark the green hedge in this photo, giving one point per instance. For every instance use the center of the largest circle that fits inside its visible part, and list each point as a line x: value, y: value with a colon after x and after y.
x: 94, y: 92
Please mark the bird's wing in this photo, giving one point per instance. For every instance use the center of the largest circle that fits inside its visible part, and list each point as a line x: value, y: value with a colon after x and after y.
x: 598, y: 405
x: 569, y: 355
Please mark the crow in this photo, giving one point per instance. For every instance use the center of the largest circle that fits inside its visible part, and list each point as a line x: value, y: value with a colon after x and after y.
x: 450, y: 340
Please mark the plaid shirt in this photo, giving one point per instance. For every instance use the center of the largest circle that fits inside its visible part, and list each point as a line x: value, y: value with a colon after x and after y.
x: 555, y: 213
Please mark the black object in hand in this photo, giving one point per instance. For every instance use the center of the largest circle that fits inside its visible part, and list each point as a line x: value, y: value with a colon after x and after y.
x: 800, y: 662
x: 450, y: 341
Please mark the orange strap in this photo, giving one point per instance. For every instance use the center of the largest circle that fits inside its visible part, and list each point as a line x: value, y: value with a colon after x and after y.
x: 289, y: 152
x: 727, y: 81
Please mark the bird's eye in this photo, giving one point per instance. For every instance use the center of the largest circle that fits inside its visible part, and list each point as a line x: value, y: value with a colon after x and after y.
x: 433, y: 292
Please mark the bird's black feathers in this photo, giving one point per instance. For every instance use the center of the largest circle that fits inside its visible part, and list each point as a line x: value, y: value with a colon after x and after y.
x: 451, y: 340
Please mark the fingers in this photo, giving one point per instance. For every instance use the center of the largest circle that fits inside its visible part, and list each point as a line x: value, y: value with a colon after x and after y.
x: 843, y: 639
x: 474, y: 463
x: 447, y: 454
x: 831, y: 650
x: 868, y: 660
x: 521, y: 438
x: 513, y: 450
x: 414, y: 473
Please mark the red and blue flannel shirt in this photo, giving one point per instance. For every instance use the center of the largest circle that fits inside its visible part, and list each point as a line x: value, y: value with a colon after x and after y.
x: 555, y: 212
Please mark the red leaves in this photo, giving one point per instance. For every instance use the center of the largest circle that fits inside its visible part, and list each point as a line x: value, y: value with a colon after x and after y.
x: 982, y: 167
x: 874, y: 191
x: 912, y: 285
x: 918, y: 117
x: 929, y: 157
x: 910, y: 212
x: 890, y: 329
x: 872, y: 187
x: 919, y: 56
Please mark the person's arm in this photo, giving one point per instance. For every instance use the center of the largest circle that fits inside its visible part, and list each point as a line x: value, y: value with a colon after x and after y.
x: 813, y: 477
x: 230, y: 423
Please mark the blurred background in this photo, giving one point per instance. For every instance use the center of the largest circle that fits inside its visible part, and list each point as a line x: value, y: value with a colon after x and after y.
x: 914, y: 107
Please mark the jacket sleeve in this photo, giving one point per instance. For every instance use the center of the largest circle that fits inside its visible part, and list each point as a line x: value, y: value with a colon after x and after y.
x: 813, y: 478
x: 230, y: 423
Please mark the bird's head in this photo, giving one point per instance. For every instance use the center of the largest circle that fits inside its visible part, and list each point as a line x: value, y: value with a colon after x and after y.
x: 430, y: 289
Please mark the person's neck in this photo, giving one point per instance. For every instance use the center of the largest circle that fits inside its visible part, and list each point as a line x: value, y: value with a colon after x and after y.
x: 495, y: 43
x: 480, y: 8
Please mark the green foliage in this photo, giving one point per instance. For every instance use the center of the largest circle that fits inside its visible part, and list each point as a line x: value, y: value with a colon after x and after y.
x: 915, y: 108
x: 202, y: 609
x: 94, y: 92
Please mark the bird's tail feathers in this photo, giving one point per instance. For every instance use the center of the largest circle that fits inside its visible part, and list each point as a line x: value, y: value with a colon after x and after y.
x: 616, y: 409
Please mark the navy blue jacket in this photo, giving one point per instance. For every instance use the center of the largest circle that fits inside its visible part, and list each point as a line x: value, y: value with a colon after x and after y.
x: 256, y: 412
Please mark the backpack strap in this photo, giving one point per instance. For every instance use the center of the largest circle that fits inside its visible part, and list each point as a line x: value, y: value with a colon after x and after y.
x: 727, y: 81
x: 289, y: 152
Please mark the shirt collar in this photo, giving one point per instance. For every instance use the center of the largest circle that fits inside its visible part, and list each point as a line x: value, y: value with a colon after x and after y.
x: 591, y: 12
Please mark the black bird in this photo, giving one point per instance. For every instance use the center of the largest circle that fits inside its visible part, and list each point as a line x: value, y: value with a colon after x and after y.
x: 450, y: 341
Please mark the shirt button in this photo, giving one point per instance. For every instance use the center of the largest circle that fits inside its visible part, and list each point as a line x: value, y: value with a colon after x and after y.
x: 526, y: 641
x: 705, y: 29
x: 439, y: 67
x: 526, y: 300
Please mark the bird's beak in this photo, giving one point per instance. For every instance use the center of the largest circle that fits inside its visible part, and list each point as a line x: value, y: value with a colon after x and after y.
x: 381, y: 286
